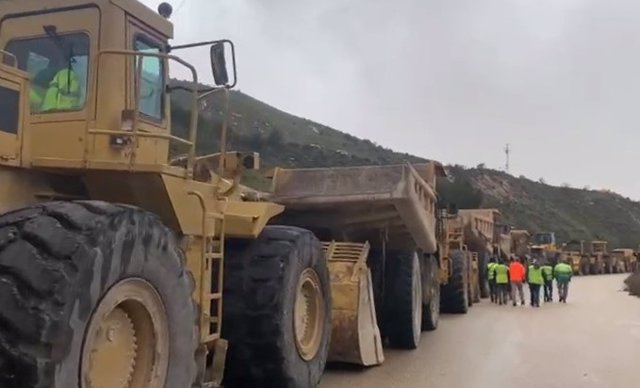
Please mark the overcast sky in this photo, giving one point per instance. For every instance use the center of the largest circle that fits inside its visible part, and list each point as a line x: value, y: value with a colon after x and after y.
x: 453, y: 80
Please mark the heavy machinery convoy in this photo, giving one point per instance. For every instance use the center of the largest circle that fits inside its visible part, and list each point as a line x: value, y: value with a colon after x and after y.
x: 128, y: 261
x: 126, y: 264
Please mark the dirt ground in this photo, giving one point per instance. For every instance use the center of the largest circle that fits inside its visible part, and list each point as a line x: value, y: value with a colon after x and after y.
x: 592, y: 341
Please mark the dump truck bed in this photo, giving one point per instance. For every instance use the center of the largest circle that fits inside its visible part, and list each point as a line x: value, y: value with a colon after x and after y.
x: 360, y: 203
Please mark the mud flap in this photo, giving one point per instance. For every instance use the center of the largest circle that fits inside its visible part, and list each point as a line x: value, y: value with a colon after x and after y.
x: 355, y: 336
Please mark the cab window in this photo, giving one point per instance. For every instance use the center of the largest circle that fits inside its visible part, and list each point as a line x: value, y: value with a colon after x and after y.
x: 58, y: 66
x: 151, y: 99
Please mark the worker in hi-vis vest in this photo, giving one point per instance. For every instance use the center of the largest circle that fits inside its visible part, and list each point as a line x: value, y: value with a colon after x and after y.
x: 491, y: 279
x: 502, y: 281
x: 535, y: 279
x: 562, y: 272
x: 63, y: 92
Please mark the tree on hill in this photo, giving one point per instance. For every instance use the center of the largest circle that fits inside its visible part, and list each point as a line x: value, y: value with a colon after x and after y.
x: 459, y: 191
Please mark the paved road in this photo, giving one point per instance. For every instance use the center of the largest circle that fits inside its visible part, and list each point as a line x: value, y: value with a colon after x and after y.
x: 592, y: 341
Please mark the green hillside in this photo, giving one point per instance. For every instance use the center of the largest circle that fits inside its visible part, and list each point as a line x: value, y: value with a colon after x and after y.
x: 571, y: 213
x: 286, y: 140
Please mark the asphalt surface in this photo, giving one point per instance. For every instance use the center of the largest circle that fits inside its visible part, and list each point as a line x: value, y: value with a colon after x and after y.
x: 592, y: 341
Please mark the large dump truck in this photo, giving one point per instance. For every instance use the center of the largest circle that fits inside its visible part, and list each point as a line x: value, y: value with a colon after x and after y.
x: 128, y: 261
x: 413, y: 264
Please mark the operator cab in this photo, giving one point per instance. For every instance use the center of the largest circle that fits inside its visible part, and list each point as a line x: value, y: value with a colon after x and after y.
x: 544, y: 238
x: 75, y: 95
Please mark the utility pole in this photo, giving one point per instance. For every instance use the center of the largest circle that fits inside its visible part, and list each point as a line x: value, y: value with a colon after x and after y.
x: 507, y: 150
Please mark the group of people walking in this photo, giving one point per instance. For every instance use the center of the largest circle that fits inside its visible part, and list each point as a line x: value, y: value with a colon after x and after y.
x: 507, y: 280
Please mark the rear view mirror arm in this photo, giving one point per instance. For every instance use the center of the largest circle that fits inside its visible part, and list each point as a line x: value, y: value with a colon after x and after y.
x: 209, y: 43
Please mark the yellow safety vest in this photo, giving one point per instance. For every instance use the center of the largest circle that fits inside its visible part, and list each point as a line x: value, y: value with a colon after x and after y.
x: 502, y: 274
x: 63, y: 92
x: 534, y: 276
x: 491, y: 271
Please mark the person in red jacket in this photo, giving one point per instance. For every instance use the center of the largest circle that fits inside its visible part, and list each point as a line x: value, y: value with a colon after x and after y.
x: 517, y: 277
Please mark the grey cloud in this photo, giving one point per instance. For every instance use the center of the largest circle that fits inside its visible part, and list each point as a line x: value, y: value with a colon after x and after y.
x: 452, y: 80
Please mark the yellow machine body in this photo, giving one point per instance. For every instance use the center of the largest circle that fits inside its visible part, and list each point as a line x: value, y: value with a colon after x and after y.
x: 355, y: 336
x: 114, y: 142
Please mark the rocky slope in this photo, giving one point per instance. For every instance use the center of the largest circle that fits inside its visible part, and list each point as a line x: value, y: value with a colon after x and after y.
x: 290, y: 141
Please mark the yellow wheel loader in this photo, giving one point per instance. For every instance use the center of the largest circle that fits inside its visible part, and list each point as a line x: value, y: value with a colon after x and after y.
x: 599, y: 259
x: 573, y: 251
x: 457, y: 293
x: 128, y: 261
x: 623, y: 260
x: 545, y: 247
x: 119, y: 256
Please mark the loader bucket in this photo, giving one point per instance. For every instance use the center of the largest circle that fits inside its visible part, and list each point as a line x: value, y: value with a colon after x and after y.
x: 355, y: 336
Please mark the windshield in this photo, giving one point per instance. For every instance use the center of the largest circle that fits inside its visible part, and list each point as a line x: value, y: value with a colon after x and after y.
x: 151, y: 97
x: 58, y: 67
x: 543, y: 238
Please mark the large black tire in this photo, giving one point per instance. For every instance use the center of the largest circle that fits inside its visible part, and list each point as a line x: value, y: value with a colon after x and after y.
x: 455, y: 294
x: 261, y: 282
x: 403, y: 300
x: 430, y: 293
x: 57, y: 261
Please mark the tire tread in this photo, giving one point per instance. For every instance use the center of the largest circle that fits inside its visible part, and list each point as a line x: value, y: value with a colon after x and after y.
x: 455, y: 294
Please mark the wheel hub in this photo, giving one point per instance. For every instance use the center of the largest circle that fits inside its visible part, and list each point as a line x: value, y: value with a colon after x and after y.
x: 126, y: 342
x: 308, y: 315
x: 113, y: 355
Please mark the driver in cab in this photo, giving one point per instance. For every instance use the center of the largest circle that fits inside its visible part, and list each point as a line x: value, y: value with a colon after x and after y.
x: 55, y: 88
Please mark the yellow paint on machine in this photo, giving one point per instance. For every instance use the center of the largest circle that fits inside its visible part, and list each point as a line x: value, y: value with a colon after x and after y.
x: 355, y: 336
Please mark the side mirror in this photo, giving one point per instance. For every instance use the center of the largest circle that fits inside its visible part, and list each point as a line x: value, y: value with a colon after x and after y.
x: 219, y: 64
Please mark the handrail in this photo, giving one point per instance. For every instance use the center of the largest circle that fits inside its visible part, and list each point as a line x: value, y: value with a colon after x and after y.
x: 151, y: 135
x: 223, y: 130
x: 203, y: 251
x: 10, y: 55
x: 193, y: 125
